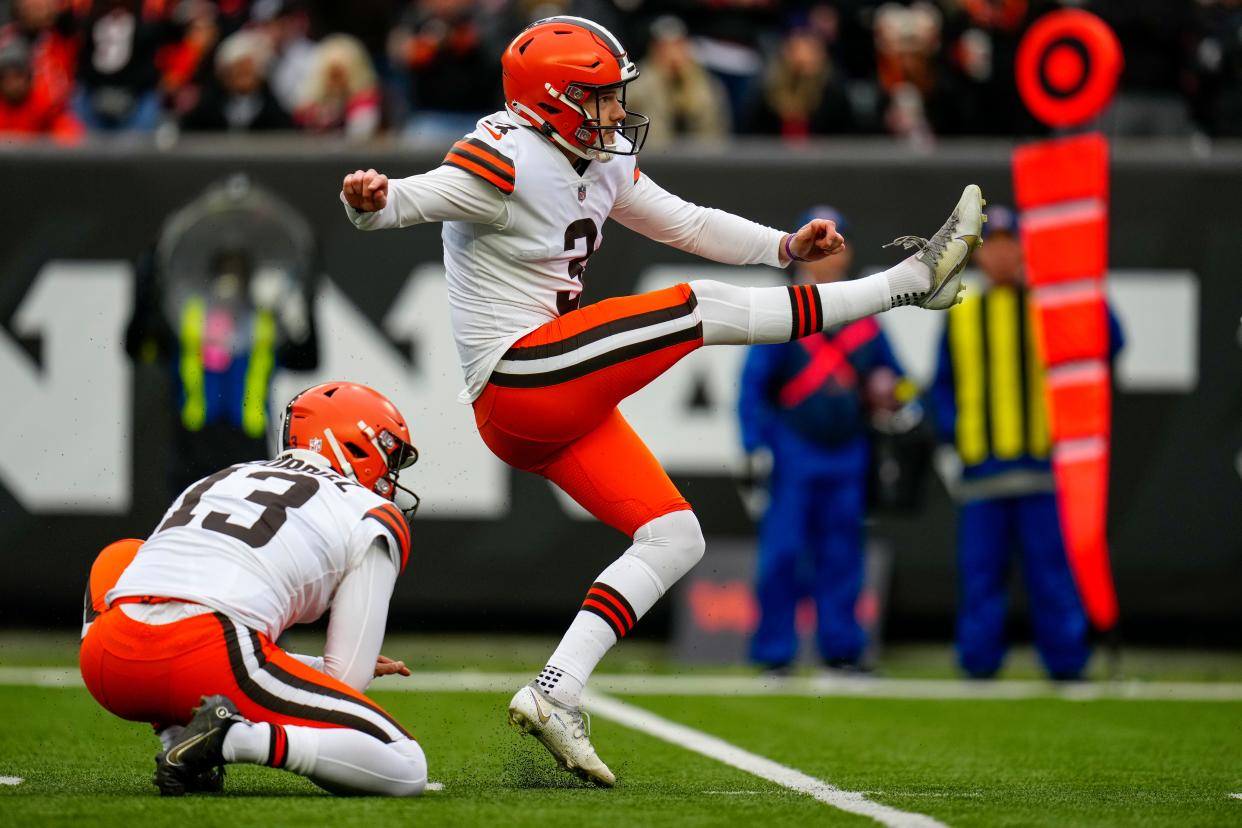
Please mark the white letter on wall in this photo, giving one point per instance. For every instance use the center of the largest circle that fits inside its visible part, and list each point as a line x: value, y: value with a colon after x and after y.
x: 65, y: 440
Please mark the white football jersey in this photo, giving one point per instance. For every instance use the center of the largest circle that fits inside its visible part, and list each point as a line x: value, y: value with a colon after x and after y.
x: 516, y: 278
x: 265, y: 543
x: 521, y: 223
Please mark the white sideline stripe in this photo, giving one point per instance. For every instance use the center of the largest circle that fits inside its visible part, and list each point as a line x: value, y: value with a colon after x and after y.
x: 435, y: 786
x: 699, y: 742
x: 743, y: 686
x: 40, y: 677
x: 1236, y: 796
x: 17, y: 780
x: 815, y: 687
x: 881, y: 688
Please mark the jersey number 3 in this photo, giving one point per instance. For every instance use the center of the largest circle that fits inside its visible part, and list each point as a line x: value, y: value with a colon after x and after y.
x: 275, y: 512
x: 569, y: 300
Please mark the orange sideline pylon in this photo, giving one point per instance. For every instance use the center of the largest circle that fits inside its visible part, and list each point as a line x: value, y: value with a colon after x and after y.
x: 1061, y: 189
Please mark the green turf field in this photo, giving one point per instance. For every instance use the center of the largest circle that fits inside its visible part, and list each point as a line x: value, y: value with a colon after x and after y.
x: 1041, y: 761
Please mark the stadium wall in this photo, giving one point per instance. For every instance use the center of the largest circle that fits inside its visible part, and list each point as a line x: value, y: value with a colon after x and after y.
x: 85, y: 433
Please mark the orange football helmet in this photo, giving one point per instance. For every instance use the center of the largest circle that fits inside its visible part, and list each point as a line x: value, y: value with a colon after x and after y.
x: 551, y: 68
x: 359, y: 431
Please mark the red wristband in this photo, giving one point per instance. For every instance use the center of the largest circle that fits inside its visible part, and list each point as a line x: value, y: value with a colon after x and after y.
x: 789, y: 252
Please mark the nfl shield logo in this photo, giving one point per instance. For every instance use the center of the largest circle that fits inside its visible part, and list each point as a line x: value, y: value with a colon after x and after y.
x: 581, y: 192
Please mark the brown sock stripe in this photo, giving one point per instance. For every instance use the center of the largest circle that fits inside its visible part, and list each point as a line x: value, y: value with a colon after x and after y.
x: 796, y: 313
x: 809, y: 303
x: 610, y: 605
x: 277, y: 746
x: 804, y: 302
x: 617, y: 599
x: 817, y: 303
x: 610, y: 617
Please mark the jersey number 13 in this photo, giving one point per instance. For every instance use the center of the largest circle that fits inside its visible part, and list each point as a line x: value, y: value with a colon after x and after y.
x: 275, y: 512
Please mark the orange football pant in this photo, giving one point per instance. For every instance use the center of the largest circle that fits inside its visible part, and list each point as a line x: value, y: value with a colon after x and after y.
x: 562, y: 422
x: 157, y: 673
x: 106, y: 571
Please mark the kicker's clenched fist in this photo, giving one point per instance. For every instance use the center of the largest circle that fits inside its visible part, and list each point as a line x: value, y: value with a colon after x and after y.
x: 817, y: 239
x: 365, y: 191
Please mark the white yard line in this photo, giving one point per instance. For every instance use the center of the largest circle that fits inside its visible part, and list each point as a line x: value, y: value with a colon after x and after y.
x: 11, y: 780
x: 704, y: 744
x: 1236, y: 796
x: 810, y: 687
x: 40, y: 676
x: 435, y: 786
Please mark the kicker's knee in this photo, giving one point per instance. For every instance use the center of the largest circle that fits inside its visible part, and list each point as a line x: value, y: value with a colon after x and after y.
x: 670, y: 544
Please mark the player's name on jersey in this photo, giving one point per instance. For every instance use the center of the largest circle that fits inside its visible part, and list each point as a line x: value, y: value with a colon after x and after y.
x: 296, y: 465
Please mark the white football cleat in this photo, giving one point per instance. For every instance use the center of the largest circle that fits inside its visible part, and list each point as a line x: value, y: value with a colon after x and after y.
x: 563, y: 731
x: 947, y: 252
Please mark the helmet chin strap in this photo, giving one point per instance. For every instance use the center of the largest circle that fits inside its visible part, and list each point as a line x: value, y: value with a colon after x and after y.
x: 346, y: 468
x: 370, y: 434
x: 585, y: 153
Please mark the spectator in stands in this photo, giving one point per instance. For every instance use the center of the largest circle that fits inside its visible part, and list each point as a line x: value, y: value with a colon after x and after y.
x: 801, y: 95
x: 182, y: 64
x: 451, y: 66
x: 1158, y: 37
x: 988, y: 397
x: 117, y: 76
x: 808, y: 403
x: 49, y: 30
x: 1217, y: 79
x: 847, y: 28
x: 293, y: 52
x: 983, y: 38
x: 371, y: 21
x: 682, y: 99
x: 730, y: 38
x: 232, y: 15
x: 342, y: 93
x: 917, y: 97
x: 27, y: 108
x: 241, y: 100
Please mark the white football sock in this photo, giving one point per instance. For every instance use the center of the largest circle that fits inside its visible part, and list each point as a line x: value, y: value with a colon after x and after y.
x: 664, y: 549
x: 248, y: 742
x: 908, y: 281
x: 734, y: 315
x: 339, y: 760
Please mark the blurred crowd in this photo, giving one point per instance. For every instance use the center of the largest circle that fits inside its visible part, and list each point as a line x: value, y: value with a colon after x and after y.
x: 711, y: 69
